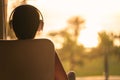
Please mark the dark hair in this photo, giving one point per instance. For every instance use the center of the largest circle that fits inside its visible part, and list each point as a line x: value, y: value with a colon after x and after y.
x: 25, y: 21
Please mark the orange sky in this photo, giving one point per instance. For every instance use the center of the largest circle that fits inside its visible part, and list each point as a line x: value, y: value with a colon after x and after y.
x: 99, y: 15
x: 97, y: 12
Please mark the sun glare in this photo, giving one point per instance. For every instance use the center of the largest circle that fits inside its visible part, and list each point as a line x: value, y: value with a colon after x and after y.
x: 94, y: 11
x: 88, y: 38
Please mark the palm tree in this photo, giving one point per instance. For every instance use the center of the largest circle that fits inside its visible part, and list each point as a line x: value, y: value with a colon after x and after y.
x: 75, y: 23
x: 70, y: 35
x: 106, y: 47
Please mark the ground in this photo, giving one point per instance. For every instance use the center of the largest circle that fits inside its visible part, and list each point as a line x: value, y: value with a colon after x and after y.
x: 98, y: 78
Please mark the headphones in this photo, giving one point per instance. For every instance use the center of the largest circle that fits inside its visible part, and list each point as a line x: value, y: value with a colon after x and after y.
x: 41, y: 24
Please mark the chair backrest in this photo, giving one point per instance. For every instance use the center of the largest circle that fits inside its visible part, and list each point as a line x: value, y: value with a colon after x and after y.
x: 26, y: 59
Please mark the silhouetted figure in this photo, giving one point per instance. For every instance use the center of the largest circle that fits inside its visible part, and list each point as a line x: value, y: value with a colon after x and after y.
x: 26, y: 20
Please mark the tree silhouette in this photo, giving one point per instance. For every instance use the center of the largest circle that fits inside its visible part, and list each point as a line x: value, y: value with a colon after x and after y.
x: 76, y: 24
x: 105, y: 48
x: 105, y: 45
x: 70, y: 46
x: 117, y: 48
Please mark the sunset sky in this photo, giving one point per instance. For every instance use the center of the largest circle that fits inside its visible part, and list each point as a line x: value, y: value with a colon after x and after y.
x: 99, y: 15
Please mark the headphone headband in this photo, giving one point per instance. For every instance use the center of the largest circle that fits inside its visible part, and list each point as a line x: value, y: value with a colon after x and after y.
x: 11, y: 15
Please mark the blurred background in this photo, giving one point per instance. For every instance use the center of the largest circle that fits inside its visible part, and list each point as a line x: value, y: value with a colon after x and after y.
x: 86, y: 34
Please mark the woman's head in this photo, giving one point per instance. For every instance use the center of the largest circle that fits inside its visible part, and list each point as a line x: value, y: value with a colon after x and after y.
x: 25, y: 21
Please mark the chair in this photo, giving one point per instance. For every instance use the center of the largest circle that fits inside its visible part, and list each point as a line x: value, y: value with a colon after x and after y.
x: 26, y: 59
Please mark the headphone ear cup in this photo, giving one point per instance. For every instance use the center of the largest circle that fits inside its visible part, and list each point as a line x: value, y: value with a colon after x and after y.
x: 11, y: 24
x: 41, y: 24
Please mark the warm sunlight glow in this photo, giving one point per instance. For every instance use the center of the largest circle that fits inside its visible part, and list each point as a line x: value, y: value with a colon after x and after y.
x: 99, y: 15
x: 88, y: 38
